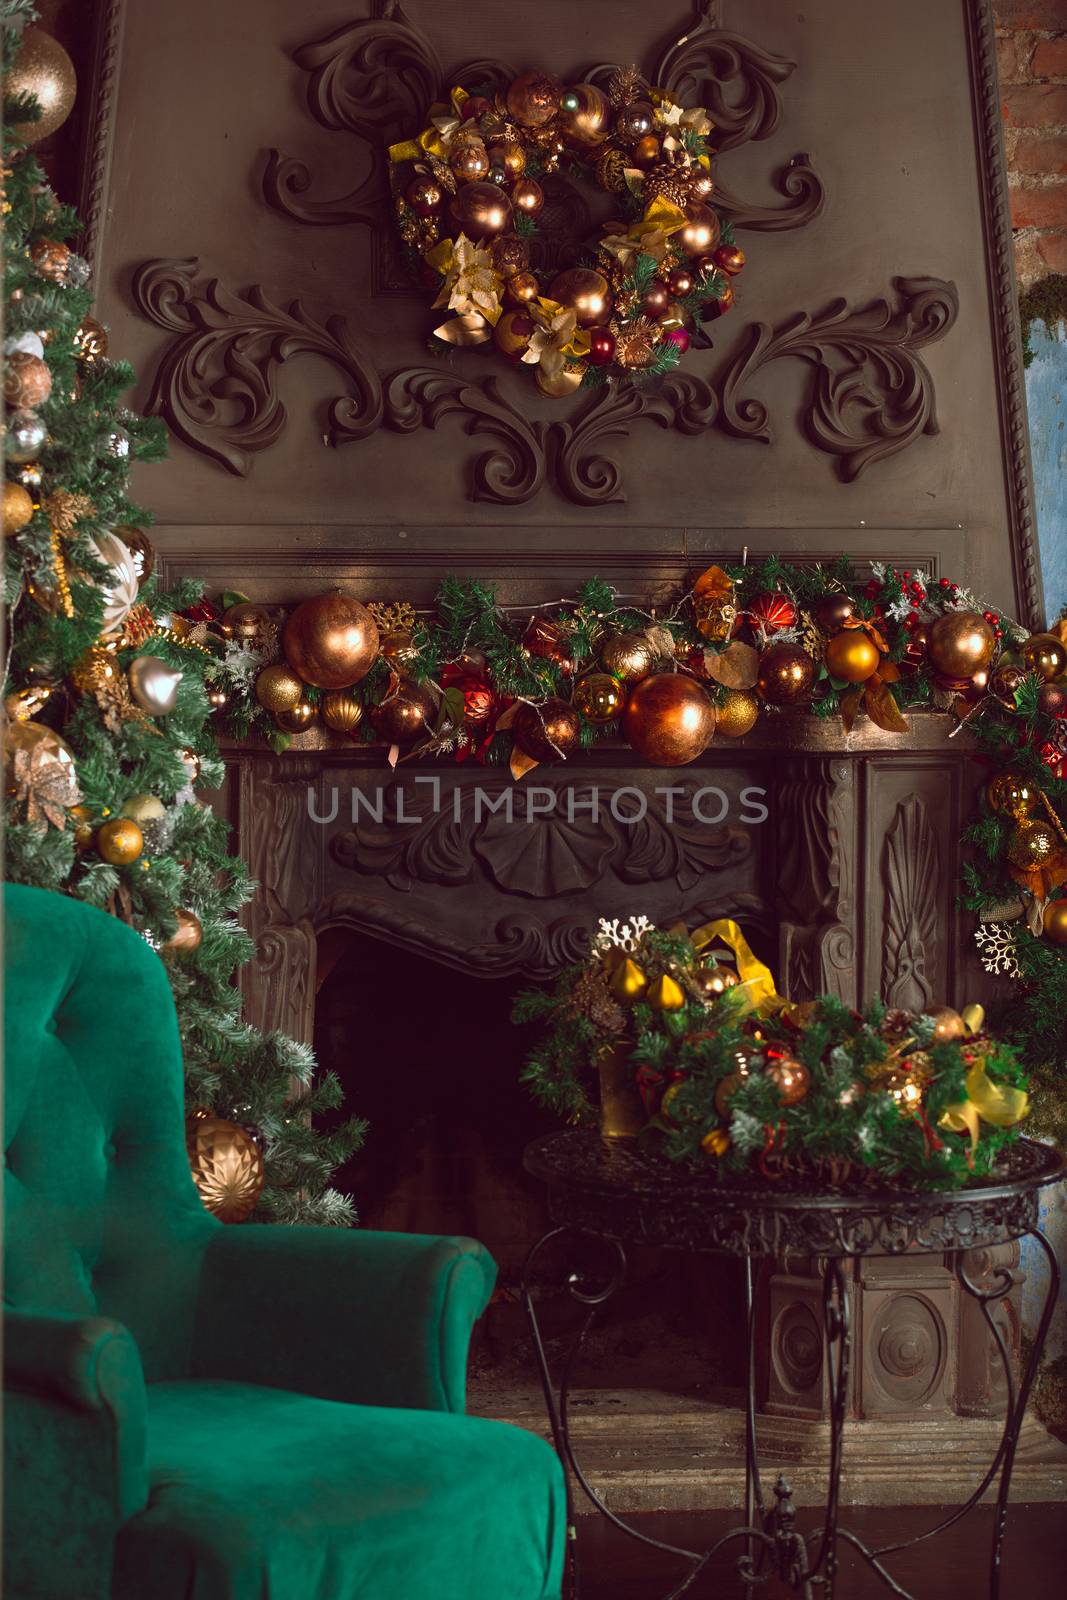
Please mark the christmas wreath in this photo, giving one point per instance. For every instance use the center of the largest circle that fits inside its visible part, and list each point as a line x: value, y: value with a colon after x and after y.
x: 467, y: 194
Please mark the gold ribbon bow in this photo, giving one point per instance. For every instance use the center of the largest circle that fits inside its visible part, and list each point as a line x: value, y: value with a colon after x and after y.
x: 434, y: 140
x: 648, y: 235
x: 996, y: 1103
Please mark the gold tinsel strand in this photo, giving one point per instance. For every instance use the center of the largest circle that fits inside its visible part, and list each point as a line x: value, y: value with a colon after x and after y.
x: 59, y: 566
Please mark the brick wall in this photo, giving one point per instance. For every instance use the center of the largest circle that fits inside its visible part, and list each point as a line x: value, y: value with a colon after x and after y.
x: 1032, y: 55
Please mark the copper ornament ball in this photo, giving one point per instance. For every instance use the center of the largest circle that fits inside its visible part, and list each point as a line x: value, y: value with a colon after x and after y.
x: 701, y: 232
x: 527, y: 196
x: 1052, y: 699
x: 331, y: 641
x: 510, y: 254
x: 634, y: 122
x: 481, y: 210
x: 187, y: 935
x: 646, y: 151
x: 584, y: 291
x: 404, y: 716
x: 680, y: 282
x: 521, y: 288
x: 399, y: 648
x: 585, y: 115
x: 730, y: 258
x: 948, y: 1024
x: 833, y: 611
x: 27, y: 381
x: 960, y: 643
x: 786, y: 675
x: 298, y: 718
x: 547, y: 732
x: 656, y: 298
x: 513, y: 156
x: 627, y: 656
x: 737, y: 713
x: 534, y: 99
x: 852, y: 655
x: 468, y: 159
x: 791, y: 1078
x: 51, y: 258
x: 425, y: 195
x: 1045, y: 654
x: 599, y: 697
x: 669, y: 720
x: 1054, y: 921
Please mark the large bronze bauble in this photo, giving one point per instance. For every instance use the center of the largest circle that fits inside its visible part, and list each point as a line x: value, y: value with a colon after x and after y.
x: 1054, y: 921
x: 852, y: 655
x: 278, y: 688
x: 1045, y: 654
x: 1032, y: 844
x: 44, y: 70
x: 510, y: 254
x: 331, y: 641
x: 948, y: 1024
x: 833, y: 611
x: 669, y: 719
x: 227, y: 1166
x: 701, y: 232
x: 512, y: 155
x: 533, y: 99
x: 960, y: 643
x: 340, y: 711
x: 786, y: 675
x: 1012, y: 795
x: 646, y: 151
x: 547, y: 732
x: 628, y: 656
x: 737, y: 713
x: 585, y: 114
x: 480, y: 210
x: 599, y: 697
x: 404, y: 716
x: 584, y: 291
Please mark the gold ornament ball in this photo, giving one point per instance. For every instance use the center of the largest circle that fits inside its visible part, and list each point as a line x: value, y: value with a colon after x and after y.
x: 278, y: 688
x: 629, y: 657
x: 1011, y: 795
x: 82, y: 820
x: 187, y: 935
x: 646, y: 151
x: 585, y: 116
x: 29, y: 737
x: 960, y: 644
x: 90, y: 341
x: 669, y: 720
x: 713, y: 982
x: 786, y: 675
x: 701, y: 232
x: 1054, y: 921
x: 1032, y: 845
x: 852, y: 655
x: 527, y: 196
x: 533, y: 99
x: 27, y: 381
x: 948, y: 1024
x: 119, y: 841
x: 585, y: 292
x: 1045, y: 654
x: 791, y: 1078
x: 227, y: 1166
x: 51, y: 258
x: 331, y: 641
x: 599, y: 697
x: 512, y: 335
x: 44, y: 70
x: 833, y: 611
x: 340, y: 711
x: 18, y: 508
x: 521, y: 288
x: 481, y: 210
x: 512, y: 155
x: 143, y: 808
x: 564, y: 382
x: 468, y: 158
x: 738, y: 711
x: 297, y: 718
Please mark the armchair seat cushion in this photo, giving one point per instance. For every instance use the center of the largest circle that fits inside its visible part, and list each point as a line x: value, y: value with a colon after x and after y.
x: 264, y: 1494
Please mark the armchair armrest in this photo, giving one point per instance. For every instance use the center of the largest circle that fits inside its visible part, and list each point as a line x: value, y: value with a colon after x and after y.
x: 74, y: 1452
x: 370, y: 1318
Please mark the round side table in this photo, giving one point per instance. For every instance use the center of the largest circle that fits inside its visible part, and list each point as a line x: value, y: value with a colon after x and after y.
x: 620, y: 1196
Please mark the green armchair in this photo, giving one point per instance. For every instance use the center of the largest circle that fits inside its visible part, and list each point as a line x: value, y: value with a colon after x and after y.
x: 199, y: 1412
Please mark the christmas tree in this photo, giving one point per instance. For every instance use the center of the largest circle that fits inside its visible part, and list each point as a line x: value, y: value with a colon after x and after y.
x: 109, y: 685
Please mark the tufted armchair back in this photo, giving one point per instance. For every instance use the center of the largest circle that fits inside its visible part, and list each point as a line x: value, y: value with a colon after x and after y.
x: 102, y: 1217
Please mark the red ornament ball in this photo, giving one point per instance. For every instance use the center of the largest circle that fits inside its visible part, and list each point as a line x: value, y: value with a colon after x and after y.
x: 679, y: 337
x: 729, y: 258
x: 601, y: 347
x: 771, y: 612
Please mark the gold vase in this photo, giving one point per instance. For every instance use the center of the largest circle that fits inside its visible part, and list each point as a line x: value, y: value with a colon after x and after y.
x: 622, y: 1115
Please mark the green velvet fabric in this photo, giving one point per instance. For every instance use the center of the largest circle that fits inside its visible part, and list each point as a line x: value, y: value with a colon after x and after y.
x: 302, y: 1387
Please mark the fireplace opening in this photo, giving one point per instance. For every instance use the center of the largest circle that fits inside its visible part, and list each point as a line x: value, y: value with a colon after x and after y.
x: 429, y: 1055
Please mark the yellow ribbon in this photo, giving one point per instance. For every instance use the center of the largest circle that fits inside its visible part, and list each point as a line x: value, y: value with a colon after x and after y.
x: 996, y: 1103
x: 434, y: 140
x: 662, y: 215
x: 756, y: 989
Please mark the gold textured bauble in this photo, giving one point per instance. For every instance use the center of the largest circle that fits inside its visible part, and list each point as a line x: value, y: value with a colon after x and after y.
x: 143, y: 808
x: 481, y: 210
x: 1045, y: 654
x: 119, y: 841
x: 1032, y: 845
x: 669, y: 720
x: 227, y: 1166
x: 510, y: 254
x: 278, y: 688
x: 701, y: 232
x: 599, y: 697
x: 585, y: 114
x: 298, y: 718
x: 786, y: 675
x: 406, y: 715
x: 1054, y: 921
x: 468, y: 159
x: 331, y: 641
x: 1012, y: 795
x: 18, y: 508
x: 791, y: 1078
x: 340, y: 711
x: 852, y: 655
x: 547, y: 732
x: 533, y: 99
x: 563, y: 383
x: 90, y: 341
x: 513, y: 333
x: 737, y: 713
x: 187, y: 935
x: 585, y: 292
x: 51, y: 258
x: 960, y: 643
x: 628, y: 656
x: 948, y: 1024
x: 44, y: 70
x: 141, y: 549
x: 82, y: 820
x: 96, y: 671
x: 27, y: 381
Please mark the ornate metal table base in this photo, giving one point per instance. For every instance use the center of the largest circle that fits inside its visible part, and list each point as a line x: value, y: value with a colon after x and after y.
x: 615, y: 1196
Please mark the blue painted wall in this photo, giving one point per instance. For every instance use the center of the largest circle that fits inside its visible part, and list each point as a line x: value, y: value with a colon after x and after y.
x: 1046, y: 397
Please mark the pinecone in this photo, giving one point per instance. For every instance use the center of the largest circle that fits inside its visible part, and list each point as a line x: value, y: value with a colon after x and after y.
x: 591, y: 998
x: 668, y: 180
x: 625, y: 86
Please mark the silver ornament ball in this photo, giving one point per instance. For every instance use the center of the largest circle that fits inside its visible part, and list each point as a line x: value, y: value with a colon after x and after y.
x: 117, y: 444
x: 78, y: 270
x: 25, y: 437
x: 154, y: 685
